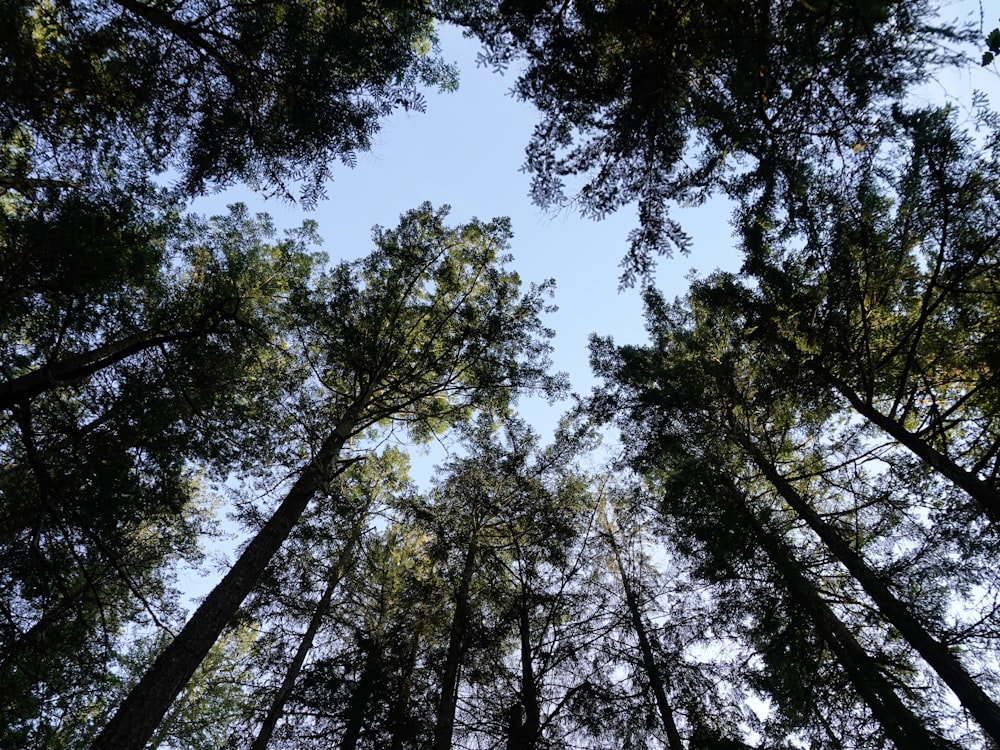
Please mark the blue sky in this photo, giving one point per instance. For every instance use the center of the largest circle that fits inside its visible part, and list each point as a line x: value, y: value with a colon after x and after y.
x: 466, y: 151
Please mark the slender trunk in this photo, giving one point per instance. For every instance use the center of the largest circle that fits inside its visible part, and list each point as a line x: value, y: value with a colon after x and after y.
x: 444, y: 726
x: 529, y: 687
x: 77, y: 367
x: 515, y: 727
x: 900, y: 724
x: 146, y: 704
x: 982, y: 492
x: 360, y: 697
x: 646, y: 651
x: 936, y: 654
x: 401, y: 723
x: 295, y: 667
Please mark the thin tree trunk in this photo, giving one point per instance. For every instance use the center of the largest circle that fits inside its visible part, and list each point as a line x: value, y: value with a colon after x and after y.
x: 515, y: 727
x: 972, y: 697
x: 982, y: 492
x: 147, y: 703
x: 444, y: 725
x: 77, y: 367
x: 401, y: 724
x: 646, y: 651
x: 277, y: 708
x: 900, y: 724
x: 529, y: 688
x: 359, y: 699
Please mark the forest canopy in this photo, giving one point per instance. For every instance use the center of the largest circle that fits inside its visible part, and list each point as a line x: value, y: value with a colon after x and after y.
x: 773, y: 524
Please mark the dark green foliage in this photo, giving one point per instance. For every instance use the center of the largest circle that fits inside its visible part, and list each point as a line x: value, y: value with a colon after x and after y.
x: 654, y: 103
x: 992, y: 46
x: 806, y: 506
x: 97, y: 488
x: 262, y: 93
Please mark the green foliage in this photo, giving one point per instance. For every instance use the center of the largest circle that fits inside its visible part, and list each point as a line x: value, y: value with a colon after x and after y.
x: 96, y: 485
x: 836, y: 400
x: 427, y: 330
x: 260, y: 93
x: 731, y: 439
x: 992, y: 47
x: 664, y: 102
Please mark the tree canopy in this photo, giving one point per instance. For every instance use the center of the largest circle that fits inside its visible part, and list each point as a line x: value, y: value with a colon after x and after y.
x: 774, y: 524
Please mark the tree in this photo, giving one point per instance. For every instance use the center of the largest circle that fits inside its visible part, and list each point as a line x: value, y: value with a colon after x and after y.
x: 481, y: 510
x: 691, y: 394
x: 892, y: 306
x: 423, y: 332
x: 98, y: 490
x: 258, y: 93
x: 332, y: 536
x: 634, y: 605
x: 654, y: 103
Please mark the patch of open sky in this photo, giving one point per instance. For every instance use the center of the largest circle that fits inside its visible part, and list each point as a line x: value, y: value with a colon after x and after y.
x: 466, y: 151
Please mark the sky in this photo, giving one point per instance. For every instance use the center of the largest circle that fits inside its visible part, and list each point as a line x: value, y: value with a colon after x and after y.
x: 466, y: 151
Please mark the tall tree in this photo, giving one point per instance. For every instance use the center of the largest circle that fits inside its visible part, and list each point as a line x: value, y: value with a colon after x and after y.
x: 891, y: 299
x: 498, y: 515
x: 321, y: 552
x: 681, y: 393
x: 97, y: 476
x: 424, y: 331
x: 259, y: 93
x: 651, y: 103
x: 636, y: 616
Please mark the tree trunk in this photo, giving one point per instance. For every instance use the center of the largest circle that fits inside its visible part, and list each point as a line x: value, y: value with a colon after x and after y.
x: 515, y: 727
x: 147, y: 703
x: 949, y: 669
x: 529, y: 688
x: 444, y: 725
x: 77, y: 367
x: 646, y: 651
x: 402, y: 729
x: 295, y: 667
x: 982, y: 492
x: 359, y: 699
x: 900, y: 724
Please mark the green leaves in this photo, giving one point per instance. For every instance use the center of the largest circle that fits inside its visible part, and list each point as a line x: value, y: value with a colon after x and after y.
x: 661, y: 103
x: 429, y: 328
x: 993, y: 47
x: 257, y: 93
x: 146, y: 349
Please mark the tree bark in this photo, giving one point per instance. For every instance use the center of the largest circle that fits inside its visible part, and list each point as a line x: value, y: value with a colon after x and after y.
x: 900, y: 724
x: 649, y: 664
x: 147, y: 703
x: 979, y: 705
x: 532, y: 726
x: 402, y: 724
x: 359, y: 699
x: 986, y: 496
x: 515, y: 727
x: 77, y: 367
x: 305, y: 645
x: 444, y: 725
